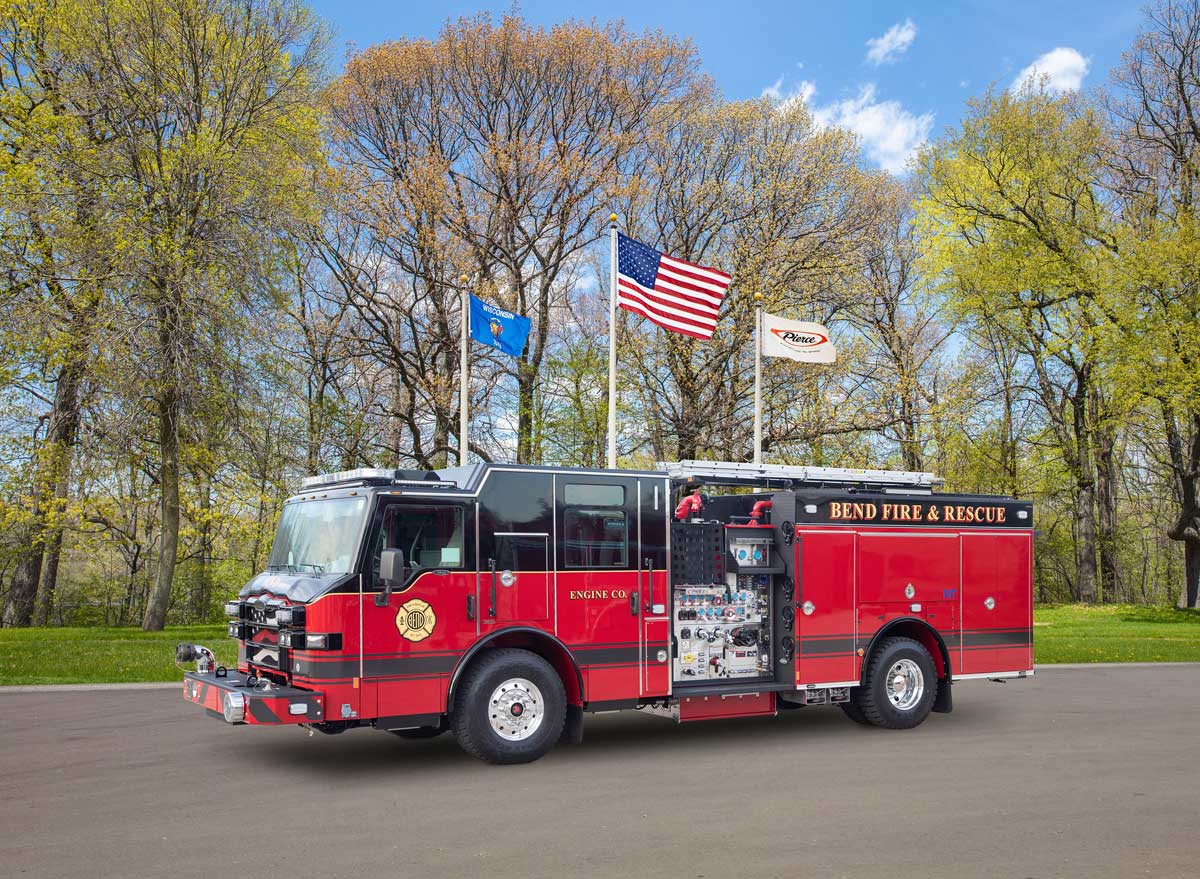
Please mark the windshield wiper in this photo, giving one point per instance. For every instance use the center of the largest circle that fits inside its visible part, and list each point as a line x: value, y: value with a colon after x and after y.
x: 320, y: 569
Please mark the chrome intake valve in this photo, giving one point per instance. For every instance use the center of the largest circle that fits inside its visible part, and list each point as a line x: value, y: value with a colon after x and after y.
x: 202, y: 656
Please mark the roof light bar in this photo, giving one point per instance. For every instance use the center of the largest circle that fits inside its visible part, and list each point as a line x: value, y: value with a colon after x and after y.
x: 381, y: 475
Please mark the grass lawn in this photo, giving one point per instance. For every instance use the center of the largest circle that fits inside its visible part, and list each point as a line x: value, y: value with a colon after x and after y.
x: 1115, y: 633
x: 93, y: 656
x: 1063, y: 633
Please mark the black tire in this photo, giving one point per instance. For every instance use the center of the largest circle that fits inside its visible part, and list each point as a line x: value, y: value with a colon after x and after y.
x: 420, y: 732
x: 871, y: 699
x: 471, y: 717
x: 851, y: 710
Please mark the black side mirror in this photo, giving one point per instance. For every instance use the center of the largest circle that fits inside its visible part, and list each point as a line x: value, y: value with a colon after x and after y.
x: 392, y: 573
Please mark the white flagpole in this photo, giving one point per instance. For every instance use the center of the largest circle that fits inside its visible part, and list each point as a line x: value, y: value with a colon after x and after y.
x: 758, y: 427
x: 464, y: 369
x: 612, y: 343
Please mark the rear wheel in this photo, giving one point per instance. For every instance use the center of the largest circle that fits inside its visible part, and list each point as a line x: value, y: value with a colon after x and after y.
x: 900, y: 685
x: 509, y: 707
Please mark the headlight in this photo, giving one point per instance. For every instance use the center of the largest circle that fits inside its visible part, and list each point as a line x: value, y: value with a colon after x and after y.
x: 310, y: 641
x: 233, y: 706
x: 290, y: 616
x: 233, y: 609
x: 235, y: 630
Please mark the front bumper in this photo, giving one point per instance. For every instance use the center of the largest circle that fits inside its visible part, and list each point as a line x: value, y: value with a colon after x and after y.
x: 274, y: 706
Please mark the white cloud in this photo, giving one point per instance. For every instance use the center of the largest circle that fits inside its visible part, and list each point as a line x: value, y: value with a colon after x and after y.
x: 803, y: 90
x: 1063, y: 68
x: 888, y: 48
x: 890, y: 133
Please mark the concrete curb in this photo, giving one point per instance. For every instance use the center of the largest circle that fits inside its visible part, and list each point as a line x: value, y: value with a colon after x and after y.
x: 1070, y: 666
x: 82, y: 688
x: 173, y: 685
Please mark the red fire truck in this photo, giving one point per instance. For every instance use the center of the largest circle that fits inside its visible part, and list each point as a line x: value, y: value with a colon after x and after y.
x: 503, y: 602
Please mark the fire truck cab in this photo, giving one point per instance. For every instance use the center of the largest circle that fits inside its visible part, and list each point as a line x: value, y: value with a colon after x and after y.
x: 503, y: 601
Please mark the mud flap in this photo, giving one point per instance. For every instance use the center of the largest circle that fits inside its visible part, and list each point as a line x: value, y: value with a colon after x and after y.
x: 572, y: 733
x: 944, y: 702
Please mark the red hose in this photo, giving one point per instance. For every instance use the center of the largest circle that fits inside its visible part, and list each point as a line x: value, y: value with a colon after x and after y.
x: 760, y: 507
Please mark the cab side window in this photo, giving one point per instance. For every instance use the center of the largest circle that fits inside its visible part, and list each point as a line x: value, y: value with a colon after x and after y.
x: 430, y: 536
x: 595, y: 526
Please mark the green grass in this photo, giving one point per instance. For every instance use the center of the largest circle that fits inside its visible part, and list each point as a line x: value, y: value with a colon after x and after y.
x: 1115, y: 633
x: 93, y: 656
x: 1062, y: 633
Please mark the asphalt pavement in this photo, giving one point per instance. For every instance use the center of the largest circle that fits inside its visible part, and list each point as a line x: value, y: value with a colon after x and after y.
x: 1077, y: 772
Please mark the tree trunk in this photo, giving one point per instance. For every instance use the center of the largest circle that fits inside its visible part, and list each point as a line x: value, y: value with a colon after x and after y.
x: 169, y: 406
x: 64, y: 431
x: 1111, y: 586
x: 1085, y: 499
x: 202, y: 588
x: 910, y: 444
x: 527, y: 451
x: 168, y: 437
x: 22, y: 594
x: 45, y: 605
x: 1191, y: 573
x: 1185, y: 464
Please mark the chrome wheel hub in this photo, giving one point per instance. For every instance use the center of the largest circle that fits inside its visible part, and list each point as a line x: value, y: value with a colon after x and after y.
x: 905, y: 684
x: 516, y: 709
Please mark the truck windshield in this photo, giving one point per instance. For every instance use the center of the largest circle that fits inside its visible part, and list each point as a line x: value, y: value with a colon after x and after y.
x: 319, y: 537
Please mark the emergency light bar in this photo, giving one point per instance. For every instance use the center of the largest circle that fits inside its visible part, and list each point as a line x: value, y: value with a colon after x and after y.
x: 377, y: 475
x: 737, y: 472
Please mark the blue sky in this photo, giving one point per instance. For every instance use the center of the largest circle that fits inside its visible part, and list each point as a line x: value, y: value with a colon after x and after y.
x: 895, y: 73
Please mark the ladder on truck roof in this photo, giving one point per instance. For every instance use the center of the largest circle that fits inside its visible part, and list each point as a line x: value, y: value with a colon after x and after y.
x: 736, y: 473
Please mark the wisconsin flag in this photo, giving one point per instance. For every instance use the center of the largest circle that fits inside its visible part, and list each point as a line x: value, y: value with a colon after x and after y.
x: 796, y: 340
x: 499, y: 328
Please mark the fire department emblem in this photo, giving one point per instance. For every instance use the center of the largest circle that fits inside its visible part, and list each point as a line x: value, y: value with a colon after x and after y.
x: 415, y: 620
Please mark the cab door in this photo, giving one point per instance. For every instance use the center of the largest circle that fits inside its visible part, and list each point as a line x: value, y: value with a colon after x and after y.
x: 410, y: 638
x: 515, y: 551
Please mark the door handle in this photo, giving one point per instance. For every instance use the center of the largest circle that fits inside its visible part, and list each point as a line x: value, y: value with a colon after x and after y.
x: 649, y: 584
x: 492, y: 591
x: 471, y: 607
x: 633, y: 603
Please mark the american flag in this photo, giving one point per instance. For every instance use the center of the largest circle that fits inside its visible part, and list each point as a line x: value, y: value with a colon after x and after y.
x: 676, y: 295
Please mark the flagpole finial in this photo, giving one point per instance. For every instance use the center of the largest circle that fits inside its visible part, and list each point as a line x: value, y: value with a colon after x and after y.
x: 612, y: 218
x: 757, y: 296
x: 462, y: 279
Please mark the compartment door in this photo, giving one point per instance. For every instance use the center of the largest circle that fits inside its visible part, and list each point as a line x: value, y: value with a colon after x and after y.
x: 996, y: 634
x: 516, y: 582
x: 825, y: 614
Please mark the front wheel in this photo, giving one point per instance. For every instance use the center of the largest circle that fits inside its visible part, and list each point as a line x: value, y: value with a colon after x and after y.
x: 509, y: 708
x: 900, y: 685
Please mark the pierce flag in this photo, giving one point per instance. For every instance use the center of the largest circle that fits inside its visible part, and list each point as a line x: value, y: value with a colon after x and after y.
x: 796, y: 340
x: 499, y: 328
